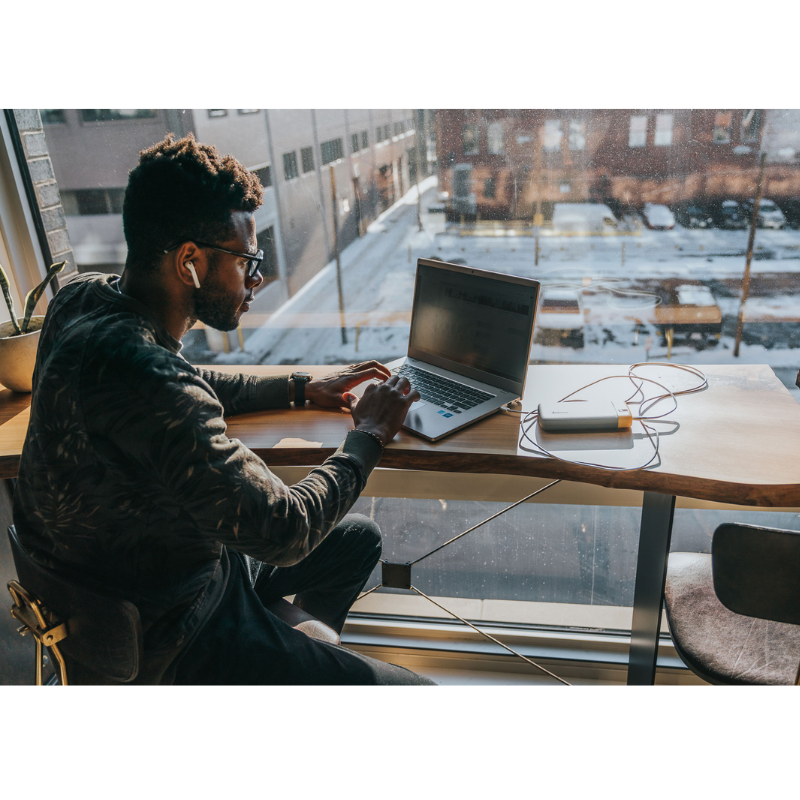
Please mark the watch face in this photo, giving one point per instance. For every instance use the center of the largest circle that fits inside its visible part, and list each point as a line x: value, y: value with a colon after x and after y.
x: 301, y: 375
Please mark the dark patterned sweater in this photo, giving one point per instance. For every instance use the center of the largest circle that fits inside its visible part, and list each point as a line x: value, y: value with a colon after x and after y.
x: 128, y: 479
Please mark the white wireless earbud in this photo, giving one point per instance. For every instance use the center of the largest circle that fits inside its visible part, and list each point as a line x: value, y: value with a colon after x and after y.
x: 190, y: 267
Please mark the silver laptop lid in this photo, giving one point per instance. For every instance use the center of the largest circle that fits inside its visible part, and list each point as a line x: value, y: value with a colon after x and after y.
x: 474, y: 322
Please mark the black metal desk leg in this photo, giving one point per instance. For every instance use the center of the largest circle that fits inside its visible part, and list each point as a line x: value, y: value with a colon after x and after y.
x: 648, y: 595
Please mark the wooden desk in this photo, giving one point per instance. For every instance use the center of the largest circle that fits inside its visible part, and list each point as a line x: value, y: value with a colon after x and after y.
x: 736, y: 442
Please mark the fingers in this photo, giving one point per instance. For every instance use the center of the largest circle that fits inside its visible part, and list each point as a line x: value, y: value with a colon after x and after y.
x: 350, y: 399
x: 376, y: 367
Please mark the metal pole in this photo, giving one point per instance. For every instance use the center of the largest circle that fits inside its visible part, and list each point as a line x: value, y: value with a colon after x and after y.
x: 419, y: 199
x: 751, y: 239
x: 336, y: 250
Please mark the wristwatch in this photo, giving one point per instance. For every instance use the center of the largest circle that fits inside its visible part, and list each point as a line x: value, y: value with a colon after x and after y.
x: 300, y: 380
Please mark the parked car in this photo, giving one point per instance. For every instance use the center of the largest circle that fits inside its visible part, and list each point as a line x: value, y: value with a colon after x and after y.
x: 560, y: 318
x: 583, y: 218
x: 791, y: 210
x: 658, y: 217
x: 732, y: 216
x: 694, y: 216
x: 769, y: 215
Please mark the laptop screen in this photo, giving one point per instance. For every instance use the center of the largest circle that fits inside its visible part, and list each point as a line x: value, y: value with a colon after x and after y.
x: 475, y: 321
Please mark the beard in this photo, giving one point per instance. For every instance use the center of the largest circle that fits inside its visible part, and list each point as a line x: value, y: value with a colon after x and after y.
x: 213, y: 305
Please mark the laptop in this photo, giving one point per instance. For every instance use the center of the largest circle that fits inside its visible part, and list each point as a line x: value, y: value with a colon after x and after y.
x: 470, y: 341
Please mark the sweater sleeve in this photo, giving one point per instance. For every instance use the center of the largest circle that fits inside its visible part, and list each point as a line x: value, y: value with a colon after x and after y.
x: 240, y: 393
x: 171, y: 438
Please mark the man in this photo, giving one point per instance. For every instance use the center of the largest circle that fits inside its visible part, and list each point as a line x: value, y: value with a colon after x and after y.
x: 128, y: 480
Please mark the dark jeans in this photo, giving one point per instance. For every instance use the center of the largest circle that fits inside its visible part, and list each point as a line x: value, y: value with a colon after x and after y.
x: 243, y: 643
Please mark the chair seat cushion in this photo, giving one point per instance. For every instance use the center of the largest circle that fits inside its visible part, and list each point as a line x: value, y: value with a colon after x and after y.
x: 720, y: 646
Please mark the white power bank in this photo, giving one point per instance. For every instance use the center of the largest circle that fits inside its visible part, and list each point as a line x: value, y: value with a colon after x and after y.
x: 589, y: 415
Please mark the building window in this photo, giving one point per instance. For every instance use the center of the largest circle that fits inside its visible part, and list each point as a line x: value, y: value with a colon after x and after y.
x: 249, y: 110
x: 113, y: 114
x: 663, y: 135
x: 494, y: 139
x: 364, y: 139
x: 489, y: 188
x: 552, y: 135
x: 290, y: 165
x: 53, y: 116
x: 637, y: 135
x: 92, y: 202
x: 354, y: 143
x: 751, y: 125
x: 265, y: 176
x: 577, y: 134
x: 469, y: 140
x: 386, y: 132
x: 378, y: 135
x: 331, y: 150
x: 217, y: 112
x: 307, y: 159
x: 723, y: 126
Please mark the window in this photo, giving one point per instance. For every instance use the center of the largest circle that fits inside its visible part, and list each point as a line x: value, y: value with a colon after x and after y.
x: 217, y: 112
x: 552, y: 135
x: 92, y: 202
x: 723, y: 127
x: 494, y: 139
x: 397, y: 128
x: 637, y: 135
x: 53, y: 116
x: 469, y: 140
x: 307, y: 159
x: 290, y: 165
x: 751, y: 125
x: 331, y: 150
x: 115, y: 114
x: 577, y: 134
x: 663, y: 134
x: 265, y: 176
x: 578, y: 557
x: 249, y: 110
x: 354, y: 143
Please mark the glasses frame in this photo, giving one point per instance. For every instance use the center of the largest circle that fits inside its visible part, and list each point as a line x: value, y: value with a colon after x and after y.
x: 254, y: 259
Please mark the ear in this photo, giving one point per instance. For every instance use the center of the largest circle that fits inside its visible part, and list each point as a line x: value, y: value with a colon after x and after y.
x: 188, y: 252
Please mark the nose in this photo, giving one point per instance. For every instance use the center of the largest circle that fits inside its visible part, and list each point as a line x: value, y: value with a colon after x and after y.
x: 255, y: 281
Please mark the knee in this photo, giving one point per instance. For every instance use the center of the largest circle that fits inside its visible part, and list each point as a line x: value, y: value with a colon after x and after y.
x: 367, y: 533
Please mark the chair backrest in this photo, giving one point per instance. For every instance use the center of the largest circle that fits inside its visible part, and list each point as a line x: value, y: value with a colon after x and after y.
x: 104, y: 633
x: 757, y: 571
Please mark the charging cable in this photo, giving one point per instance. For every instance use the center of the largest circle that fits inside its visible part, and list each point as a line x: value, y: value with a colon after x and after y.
x: 530, y: 421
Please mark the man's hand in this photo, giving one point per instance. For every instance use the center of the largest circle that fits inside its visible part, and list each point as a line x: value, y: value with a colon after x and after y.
x: 383, y: 408
x: 332, y: 391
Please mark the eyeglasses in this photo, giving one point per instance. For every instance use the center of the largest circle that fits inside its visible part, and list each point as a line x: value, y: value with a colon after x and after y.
x: 253, y: 259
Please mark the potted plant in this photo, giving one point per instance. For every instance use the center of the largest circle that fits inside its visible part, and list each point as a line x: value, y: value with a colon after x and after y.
x: 19, y: 338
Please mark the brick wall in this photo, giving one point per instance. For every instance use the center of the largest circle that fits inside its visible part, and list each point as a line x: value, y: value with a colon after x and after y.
x: 29, y: 123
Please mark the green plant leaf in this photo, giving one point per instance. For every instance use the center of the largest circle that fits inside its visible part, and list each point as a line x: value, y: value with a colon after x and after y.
x: 9, y: 300
x: 34, y: 294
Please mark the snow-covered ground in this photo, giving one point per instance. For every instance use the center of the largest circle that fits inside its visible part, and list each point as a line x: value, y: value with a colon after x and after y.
x: 615, y: 276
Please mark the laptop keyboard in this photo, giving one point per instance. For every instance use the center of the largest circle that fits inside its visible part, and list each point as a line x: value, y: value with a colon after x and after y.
x: 451, y: 395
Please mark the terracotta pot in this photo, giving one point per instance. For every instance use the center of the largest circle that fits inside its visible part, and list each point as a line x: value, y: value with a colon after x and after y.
x: 18, y: 354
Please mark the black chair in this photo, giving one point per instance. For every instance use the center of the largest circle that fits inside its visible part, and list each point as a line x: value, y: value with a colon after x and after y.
x: 92, y: 636
x: 735, y: 614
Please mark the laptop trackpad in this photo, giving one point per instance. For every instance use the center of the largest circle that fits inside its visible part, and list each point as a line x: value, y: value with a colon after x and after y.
x: 416, y: 406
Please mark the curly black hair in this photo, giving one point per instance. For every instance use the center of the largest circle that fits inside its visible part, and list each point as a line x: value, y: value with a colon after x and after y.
x: 182, y: 190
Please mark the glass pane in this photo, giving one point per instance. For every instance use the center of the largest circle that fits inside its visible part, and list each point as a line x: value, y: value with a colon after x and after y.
x: 637, y: 226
